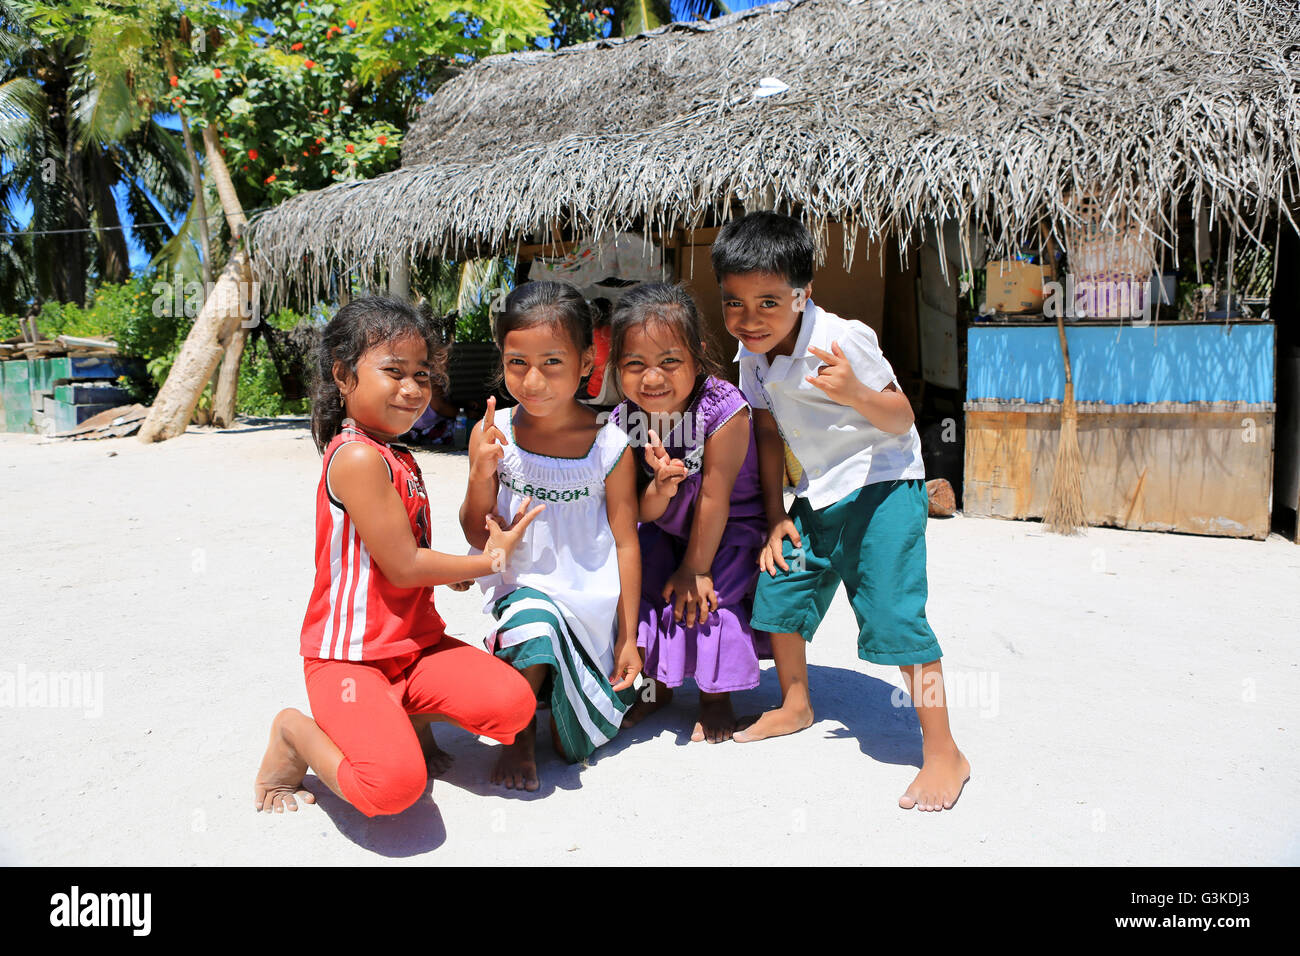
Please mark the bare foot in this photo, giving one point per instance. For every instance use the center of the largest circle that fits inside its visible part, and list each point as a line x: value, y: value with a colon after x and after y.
x: 774, y: 723
x: 939, y: 783
x: 437, y: 760
x: 717, y: 720
x: 649, y: 698
x: 516, y: 768
x: 279, y: 779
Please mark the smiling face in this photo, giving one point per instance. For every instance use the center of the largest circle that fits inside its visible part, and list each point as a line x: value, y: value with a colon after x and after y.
x: 763, y: 311
x: 656, y: 370
x: 543, y: 368
x: 391, y: 388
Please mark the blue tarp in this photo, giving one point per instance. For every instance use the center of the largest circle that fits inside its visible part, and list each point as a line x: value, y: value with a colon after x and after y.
x: 1201, y: 362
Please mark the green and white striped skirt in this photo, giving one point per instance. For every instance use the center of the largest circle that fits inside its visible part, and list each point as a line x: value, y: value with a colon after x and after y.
x: 531, y: 629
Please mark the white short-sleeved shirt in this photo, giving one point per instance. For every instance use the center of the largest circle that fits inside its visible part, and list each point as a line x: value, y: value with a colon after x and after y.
x: 568, y: 551
x: 840, y: 450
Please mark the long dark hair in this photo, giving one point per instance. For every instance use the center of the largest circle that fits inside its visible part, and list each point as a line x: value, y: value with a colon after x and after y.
x: 557, y: 304
x: 660, y: 303
x: 359, y: 326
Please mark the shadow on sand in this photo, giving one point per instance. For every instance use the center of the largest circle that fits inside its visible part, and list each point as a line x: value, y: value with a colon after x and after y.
x: 864, y: 706
x: 415, y: 831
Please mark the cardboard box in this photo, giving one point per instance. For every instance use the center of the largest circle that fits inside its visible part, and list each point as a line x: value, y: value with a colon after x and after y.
x: 1015, y: 286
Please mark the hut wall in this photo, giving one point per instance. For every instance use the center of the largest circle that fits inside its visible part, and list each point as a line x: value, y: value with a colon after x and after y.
x: 1176, y: 424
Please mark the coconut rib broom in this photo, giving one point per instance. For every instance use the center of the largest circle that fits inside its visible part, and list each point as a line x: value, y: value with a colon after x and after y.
x: 1065, y: 513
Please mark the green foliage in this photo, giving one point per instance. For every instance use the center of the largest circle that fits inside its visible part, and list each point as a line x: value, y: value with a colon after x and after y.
x: 474, y: 325
x: 394, y: 35
x: 260, y: 392
x: 578, y: 21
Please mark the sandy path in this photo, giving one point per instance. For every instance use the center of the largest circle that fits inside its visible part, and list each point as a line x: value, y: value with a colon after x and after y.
x: 1124, y: 697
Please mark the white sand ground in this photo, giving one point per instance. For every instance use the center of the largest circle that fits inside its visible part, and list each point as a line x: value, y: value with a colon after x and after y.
x: 1124, y: 698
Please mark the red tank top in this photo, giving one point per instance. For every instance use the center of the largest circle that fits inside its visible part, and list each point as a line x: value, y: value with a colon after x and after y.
x: 355, y: 613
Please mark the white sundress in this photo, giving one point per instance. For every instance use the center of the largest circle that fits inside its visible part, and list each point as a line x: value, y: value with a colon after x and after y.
x: 562, y: 583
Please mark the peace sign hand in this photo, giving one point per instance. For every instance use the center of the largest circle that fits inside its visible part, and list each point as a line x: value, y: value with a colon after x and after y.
x: 668, y: 471
x: 502, y: 542
x: 488, y: 447
x: 836, y: 377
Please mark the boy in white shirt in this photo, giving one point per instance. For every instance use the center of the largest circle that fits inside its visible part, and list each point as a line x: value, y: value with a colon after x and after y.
x: 820, y: 386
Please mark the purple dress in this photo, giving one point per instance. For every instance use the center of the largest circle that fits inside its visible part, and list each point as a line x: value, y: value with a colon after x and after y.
x: 720, y: 652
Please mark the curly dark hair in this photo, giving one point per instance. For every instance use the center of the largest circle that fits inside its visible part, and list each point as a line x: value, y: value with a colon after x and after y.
x: 359, y: 326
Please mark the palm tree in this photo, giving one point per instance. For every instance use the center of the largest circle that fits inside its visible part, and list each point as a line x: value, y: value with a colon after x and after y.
x: 70, y: 136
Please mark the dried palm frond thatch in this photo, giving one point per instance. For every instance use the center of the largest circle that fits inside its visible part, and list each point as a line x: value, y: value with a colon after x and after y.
x: 991, y: 112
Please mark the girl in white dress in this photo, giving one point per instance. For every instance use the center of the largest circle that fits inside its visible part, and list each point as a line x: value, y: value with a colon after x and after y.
x: 566, y: 607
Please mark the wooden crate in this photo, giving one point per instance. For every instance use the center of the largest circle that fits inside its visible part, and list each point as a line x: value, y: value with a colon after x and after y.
x: 1202, y: 468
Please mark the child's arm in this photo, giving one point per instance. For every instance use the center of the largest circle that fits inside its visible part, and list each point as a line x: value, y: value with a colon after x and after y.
x: 724, y: 454
x: 359, y: 479
x: 771, y: 475
x: 668, y: 474
x: 888, y: 408
x: 485, y: 450
x: 621, y: 507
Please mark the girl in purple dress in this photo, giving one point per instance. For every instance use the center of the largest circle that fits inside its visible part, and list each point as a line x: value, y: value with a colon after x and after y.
x: 701, y: 511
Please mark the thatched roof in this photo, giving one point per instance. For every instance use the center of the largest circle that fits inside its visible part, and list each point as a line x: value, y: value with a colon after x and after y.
x: 994, y: 112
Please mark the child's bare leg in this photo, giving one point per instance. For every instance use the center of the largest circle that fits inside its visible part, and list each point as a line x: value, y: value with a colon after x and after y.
x: 516, y: 768
x: 435, y: 758
x: 944, y: 769
x: 296, y: 744
x: 650, y: 697
x: 717, y: 720
x: 795, y: 713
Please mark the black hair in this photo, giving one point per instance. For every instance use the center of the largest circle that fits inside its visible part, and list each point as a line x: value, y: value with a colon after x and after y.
x: 359, y: 326
x: 557, y: 304
x: 663, y: 304
x: 765, y: 242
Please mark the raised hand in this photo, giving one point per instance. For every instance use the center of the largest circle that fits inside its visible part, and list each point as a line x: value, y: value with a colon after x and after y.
x: 502, y: 542
x: 486, y: 450
x: 668, y: 471
x: 836, y: 377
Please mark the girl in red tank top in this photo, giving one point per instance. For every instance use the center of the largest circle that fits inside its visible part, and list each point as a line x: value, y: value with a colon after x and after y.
x: 379, y: 666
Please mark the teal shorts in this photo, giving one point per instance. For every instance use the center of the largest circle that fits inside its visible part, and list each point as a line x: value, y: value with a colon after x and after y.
x: 874, y: 541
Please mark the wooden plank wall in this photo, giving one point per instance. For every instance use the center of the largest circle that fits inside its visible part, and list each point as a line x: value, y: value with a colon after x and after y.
x: 1202, y: 469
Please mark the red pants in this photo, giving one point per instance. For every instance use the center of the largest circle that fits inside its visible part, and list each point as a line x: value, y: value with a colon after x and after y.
x: 363, y: 706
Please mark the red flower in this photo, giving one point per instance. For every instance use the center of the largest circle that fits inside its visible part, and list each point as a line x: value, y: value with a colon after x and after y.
x: 296, y: 47
x: 326, y: 111
x: 334, y: 172
x: 352, y: 24
x: 319, y: 141
x: 309, y: 63
x: 350, y: 148
x: 245, y: 166
x: 216, y: 74
x: 382, y: 140
x: 304, y: 152
x: 173, y: 81
x: 269, y: 179
x: 329, y: 34
x: 252, y: 154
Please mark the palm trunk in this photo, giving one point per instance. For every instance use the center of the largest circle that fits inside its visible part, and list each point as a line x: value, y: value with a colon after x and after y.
x: 226, y: 394
x: 114, y: 258
x: 218, y: 331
